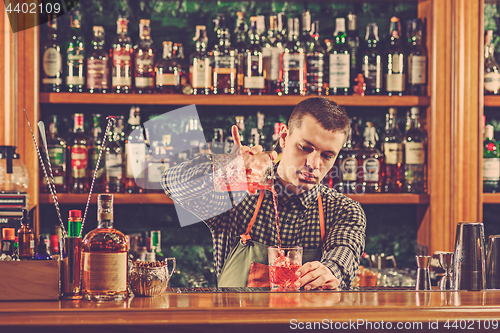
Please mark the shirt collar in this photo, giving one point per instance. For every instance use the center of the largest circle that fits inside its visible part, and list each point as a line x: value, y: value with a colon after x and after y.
x: 306, y: 198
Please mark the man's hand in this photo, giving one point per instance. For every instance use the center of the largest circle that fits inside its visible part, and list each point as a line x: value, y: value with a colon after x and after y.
x: 315, y: 275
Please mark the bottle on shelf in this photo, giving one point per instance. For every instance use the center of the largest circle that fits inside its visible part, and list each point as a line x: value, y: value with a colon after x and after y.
x: 74, y: 223
x: 9, y: 252
x: 200, y: 68
x: 75, y: 55
x: 347, y: 166
x: 224, y: 61
x: 135, y: 149
x: 339, y: 62
x: 395, y: 61
x: 253, y: 81
x: 370, y: 162
x: 352, y: 40
x: 178, y: 55
x: 113, y: 179
x: 415, y: 143
x: 42, y: 249
x: 104, y: 257
x: 156, y: 244
x: 240, y: 46
x: 168, y: 74
x: 293, y: 62
x: 371, y: 61
x: 78, y: 155
x: 97, y: 64
x: 491, y: 161
x: 121, y: 54
x: 26, y: 238
x: 491, y: 68
x: 217, y: 146
x: 417, y: 59
x: 262, y: 138
x: 393, y: 155
x: 315, y: 58
x: 144, y: 60
x: 272, y: 47
x: 52, y: 67
x: 94, y: 147
x: 56, y: 147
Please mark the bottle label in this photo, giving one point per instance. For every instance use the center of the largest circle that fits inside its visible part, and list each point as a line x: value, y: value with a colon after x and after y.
x: 52, y: 80
x: 395, y: 82
x: 166, y: 80
x: 121, y: 57
x: 415, y: 153
x: 58, y: 180
x: 136, y: 159
x: 371, y: 167
x: 144, y: 82
x: 393, y: 153
x: 491, y: 168
x: 76, y: 56
x: 339, y: 70
x: 104, y: 271
x: 122, y: 69
x: 75, y: 80
x: 373, y: 75
x: 349, y: 169
x: 315, y: 65
x: 57, y: 156
x: 114, y: 165
x: 492, y: 81
x: 201, y: 73
x: 121, y: 81
x: 293, y: 61
x: 254, y: 82
x: 52, y: 62
x: 418, y: 69
x: 97, y: 74
x: 225, y: 64
x: 78, y: 161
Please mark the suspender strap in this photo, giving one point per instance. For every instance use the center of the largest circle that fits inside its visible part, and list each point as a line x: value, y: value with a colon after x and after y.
x: 321, y: 218
x: 246, y: 236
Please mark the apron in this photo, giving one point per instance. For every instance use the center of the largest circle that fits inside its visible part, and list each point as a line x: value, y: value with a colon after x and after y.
x: 247, y: 263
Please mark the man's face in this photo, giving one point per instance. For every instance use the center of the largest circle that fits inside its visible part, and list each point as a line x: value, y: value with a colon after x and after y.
x: 309, y: 152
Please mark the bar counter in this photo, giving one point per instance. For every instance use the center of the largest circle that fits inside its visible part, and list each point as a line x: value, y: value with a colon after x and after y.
x: 355, y: 311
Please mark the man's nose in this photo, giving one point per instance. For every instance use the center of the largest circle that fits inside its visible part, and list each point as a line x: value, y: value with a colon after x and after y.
x: 313, y: 160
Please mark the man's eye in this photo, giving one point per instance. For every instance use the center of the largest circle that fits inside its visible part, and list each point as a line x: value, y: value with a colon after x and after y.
x: 327, y: 157
x: 305, y: 148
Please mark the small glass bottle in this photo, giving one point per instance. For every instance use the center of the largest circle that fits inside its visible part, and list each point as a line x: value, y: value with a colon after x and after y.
x: 135, y: 148
x: 97, y: 64
x: 114, y: 180
x: 78, y: 157
x: 315, y: 61
x: 75, y: 55
x: 225, y: 62
x: 42, y: 252
x: 74, y: 223
x: 417, y: 59
x: 370, y: 162
x: 52, y: 66
x: 168, y: 73
x: 240, y: 46
x: 339, y: 62
x: 254, y: 81
x: 395, y: 62
x: 491, y: 161
x: 352, y: 40
x: 200, y: 68
x: 491, y: 68
x: 347, y: 164
x: 393, y: 155
x: 144, y: 60
x: 415, y: 143
x: 56, y: 147
x: 371, y: 61
x: 121, y: 55
x: 26, y: 238
x: 178, y: 55
x: 8, y: 247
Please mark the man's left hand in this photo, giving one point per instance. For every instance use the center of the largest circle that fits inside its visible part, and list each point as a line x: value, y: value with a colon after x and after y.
x: 315, y: 275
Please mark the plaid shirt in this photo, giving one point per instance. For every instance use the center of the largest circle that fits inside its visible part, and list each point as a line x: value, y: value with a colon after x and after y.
x: 227, y: 214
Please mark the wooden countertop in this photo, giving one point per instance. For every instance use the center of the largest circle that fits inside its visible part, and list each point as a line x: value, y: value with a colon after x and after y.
x: 260, y: 312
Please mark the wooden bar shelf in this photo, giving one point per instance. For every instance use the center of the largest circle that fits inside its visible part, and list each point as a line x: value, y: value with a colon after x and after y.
x: 160, y: 198
x: 491, y: 198
x: 491, y: 101
x: 238, y: 100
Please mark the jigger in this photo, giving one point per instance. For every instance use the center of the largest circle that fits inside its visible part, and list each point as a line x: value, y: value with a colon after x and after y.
x: 423, y: 275
x: 446, y: 262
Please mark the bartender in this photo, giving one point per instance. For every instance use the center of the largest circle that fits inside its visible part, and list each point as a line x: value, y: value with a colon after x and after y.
x: 328, y: 225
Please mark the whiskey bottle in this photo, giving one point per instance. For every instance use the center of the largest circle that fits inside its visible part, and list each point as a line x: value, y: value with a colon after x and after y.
x: 94, y: 147
x: 415, y: 143
x: 393, y: 155
x: 121, y: 54
x: 178, y: 55
x: 97, y: 64
x: 491, y: 161
x: 75, y: 56
x: 352, y: 40
x: 395, y: 62
x: 347, y: 164
x: 371, y: 61
x: 369, y: 162
x: 200, y: 68
x: 240, y: 46
x: 52, y: 59
x: 56, y: 147
x: 78, y: 182
x: 26, y: 238
x: 271, y: 50
x: 417, y: 59
x: 104, y: 257
x: 144, y: 61
x: 292, y: 62
x: 491, y: 68
x: 339, y: 61
x: 168, y: 74
x: 224, y: 61
x: 254, y: 82
x: 113, y: 180
x: 315, y: 59
x: 135, y: 148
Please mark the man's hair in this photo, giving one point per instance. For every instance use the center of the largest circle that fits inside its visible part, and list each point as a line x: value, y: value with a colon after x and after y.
x: 329, y: 114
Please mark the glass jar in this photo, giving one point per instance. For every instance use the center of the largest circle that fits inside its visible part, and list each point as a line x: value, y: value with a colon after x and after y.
x: 13, y: 174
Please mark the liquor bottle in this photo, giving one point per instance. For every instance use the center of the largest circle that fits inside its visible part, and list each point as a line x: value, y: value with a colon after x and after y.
x: 240, y: 46
x: 156, y: 244
x: 370, y: 161
x: 217, y: 146
x: 97, y: 64
x: 75, y: 55
x: 225, y: 62
x: 262, y: 138
x: 200, y: 68
x: 168, y: 76
x: 94, y: 147
x: 104, y: 257
x: 393, y: 155
x: 135, y: 148
x: 56, y: 147
x: 52, y: 59
x: 26, y: 238
x: 371, y: 61
x: 347, y: 164
x: 491, y: 68
x: 271, y: 50
x: 78, y: 182
x: 240, y: 123
x: 352, y: 40
x: 315, y: 61
x: 113, y: 179
x: 417, y: 59
x: 254, y: 82
x: 144, y: 60
x: 121, y: 55
x: 8, y: 240
x: 491, y: 161
x: 415, y: 142
x: 395, y: 62
x: 74, y: 223
x: 339, y: 62
x: 42, y: 249
x: 178, y: 55
x: 292, y: 62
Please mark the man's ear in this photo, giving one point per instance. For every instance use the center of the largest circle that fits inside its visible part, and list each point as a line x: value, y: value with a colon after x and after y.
x: 283, y: 135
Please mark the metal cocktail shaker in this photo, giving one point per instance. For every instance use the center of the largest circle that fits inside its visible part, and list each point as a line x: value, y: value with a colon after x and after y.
x: 493, y: 263
x: 469, y: 260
